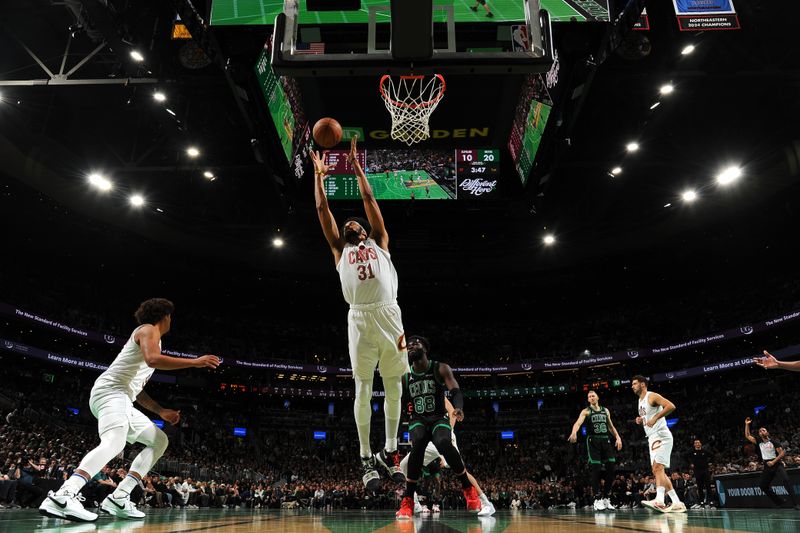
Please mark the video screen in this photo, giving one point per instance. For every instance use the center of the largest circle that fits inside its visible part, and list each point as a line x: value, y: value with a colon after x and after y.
x: 415, y: 174
x: 530, y: 121
x: 263, y: 12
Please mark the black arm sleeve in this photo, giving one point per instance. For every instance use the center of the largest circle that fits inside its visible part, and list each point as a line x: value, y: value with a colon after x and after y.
x: 457, y: 398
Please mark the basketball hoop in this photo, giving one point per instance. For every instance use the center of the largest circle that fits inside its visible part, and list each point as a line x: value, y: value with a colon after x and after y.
x: 410, y: 102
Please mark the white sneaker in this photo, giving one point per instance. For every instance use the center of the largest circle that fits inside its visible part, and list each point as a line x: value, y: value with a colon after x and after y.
x: 677, y: 507
x: 656, y: 506
x: 608, y: 504
x: 425, y: 510
x: 436, y: 509
x: 120, y: 507
x: 599, y: 505
x: 487, y: 509
x: 417, y: 508
x: 68, y: 506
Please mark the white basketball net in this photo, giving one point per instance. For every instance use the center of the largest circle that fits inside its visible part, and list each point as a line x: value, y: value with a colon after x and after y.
x: 410, y: 101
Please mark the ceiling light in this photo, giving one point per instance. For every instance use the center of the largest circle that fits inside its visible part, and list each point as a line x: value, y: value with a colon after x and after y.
x: 632, y: 146
x: 616, y: 171
x: 666, y: 89
x: 277, y: 242
x: 688, y: 49
x: 549, y: 240
x: 136, y: 56
x: 667, y: 205
x: 655, y: 105
x: 208, y: 175
x: 159, y: 210
x: 192, y: 151
x: 170, y: 111
x: 100, y: 182
x: 729, y: 175
x: 159, y: 97
x: 689, y: 196
x: 137, y: 200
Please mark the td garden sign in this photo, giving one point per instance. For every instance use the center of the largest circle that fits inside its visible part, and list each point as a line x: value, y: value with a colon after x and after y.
x: 456, y: 133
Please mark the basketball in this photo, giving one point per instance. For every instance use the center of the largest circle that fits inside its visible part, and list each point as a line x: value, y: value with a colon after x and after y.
x: 327, y: 132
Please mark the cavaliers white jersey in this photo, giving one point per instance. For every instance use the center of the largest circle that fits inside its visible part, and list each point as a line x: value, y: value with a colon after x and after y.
x: 367, y: 274
x: 647, y: 411
x: 128, y: 373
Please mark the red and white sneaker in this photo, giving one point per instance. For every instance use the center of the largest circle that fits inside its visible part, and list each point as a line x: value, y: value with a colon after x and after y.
x: 656, y: 506
x: 391, y: 462
x: 473, y: 501
x: 406, y: 511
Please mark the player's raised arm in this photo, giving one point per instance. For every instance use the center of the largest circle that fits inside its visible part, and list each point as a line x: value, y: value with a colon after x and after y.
x: 147, y: 337
x: 769, y: 362
x: 747, y: 434
x: 374, y: 216
x: 456, y: 396
x: 326, y: 220
x: 573, y: 437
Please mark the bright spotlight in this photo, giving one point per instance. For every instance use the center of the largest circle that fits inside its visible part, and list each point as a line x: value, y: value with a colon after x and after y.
x: 277, y: 242
x: 689, y: 196
x: 100, y: 182
x: 192, y: 151
x: 136, y: 56
x: 616, y: 171
x: 549, y: 240
x: 688, y: 49
x: 729, y: 175
x: 632, y: 146
x: 655, y: 105
x: 666, y: 89
x: 137, y: 200
x: 159, y: 97
x: 208, y: 174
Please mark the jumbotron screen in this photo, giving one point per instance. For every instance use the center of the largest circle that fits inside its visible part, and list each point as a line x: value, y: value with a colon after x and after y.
x: 415, y: 174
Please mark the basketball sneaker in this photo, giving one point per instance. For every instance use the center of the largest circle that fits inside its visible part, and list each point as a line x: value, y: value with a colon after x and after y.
x: 487, y: 509
x: 599, y: 505
x: 371, y: 477
x: 436, y: 509
x: 417, y: 507
x: 608, y: 504
x: 473, y: 501
x: 656, y: 506
x: 677, y: 507
x: 406, y: 511
x: 62, y: 504
x: 425, y: 510
x: 391, y: 462
x: 120, y: 507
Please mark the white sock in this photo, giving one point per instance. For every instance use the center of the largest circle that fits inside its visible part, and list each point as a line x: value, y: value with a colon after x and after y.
x: 660, y: 494
x: 484, y: 500
x: 125, y: 487
x: 393, y: 387
x: 391, y: 445
x: 673, y: 496
x: 73, y: 485
x: 363, y: 414
x: 416, y: 498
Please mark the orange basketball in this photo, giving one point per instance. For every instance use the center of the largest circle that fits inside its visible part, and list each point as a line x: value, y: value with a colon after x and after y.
x: 327, y: 132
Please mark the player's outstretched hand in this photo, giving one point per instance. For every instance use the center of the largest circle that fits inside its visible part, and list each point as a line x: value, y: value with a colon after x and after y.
x: 207, y: 361
x: 171, y: 416
x: 459, y: 414
x: 319, y: 166
x: 768, y: 361
x: 352, y: 156
x: 573, y: 438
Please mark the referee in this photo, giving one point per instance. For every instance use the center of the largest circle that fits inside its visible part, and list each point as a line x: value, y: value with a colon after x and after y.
x: 700, y: 459
x: 772, y: 454
x: 599, y: 449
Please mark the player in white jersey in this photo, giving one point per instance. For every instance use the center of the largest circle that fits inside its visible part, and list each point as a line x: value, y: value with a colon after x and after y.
x: 374, y: 323
x: 653, y: 410
x: 111, y: 402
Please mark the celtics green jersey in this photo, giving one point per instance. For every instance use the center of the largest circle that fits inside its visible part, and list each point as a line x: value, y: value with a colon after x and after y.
x: 425, y: 392
x: 597, y: 423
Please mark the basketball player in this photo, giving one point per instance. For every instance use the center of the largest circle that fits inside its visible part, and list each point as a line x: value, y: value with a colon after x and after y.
x: 111, y: 402
x: 769, y: 362
x: 653, y: 409
x: 772, y: 454
x: 599, y: 448
x: 433, y: 459
x: 374, y: 324
x: 424, y: 386
x: 485, y: 6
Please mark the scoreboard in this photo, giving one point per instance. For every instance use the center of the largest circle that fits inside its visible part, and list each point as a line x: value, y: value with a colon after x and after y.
x: 345, y: 184
x: 477, y: 173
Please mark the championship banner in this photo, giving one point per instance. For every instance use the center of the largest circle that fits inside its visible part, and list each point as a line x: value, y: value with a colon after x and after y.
x: 643, y: 24
x: 706, y: 15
